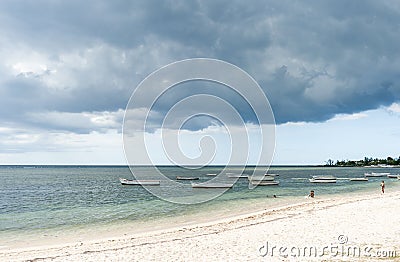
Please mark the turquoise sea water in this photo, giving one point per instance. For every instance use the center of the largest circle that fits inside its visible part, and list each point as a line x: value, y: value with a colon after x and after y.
x: 45, y: 198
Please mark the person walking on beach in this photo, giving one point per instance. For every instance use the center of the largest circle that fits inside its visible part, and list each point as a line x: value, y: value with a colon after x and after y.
x: 383, y: 186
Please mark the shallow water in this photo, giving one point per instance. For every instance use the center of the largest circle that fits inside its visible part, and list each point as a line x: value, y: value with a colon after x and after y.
x: 43, y: 200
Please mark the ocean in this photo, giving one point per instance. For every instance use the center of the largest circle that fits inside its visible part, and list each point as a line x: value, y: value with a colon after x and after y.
x: 42, y: 200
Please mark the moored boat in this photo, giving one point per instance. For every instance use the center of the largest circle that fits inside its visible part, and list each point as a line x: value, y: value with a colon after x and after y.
x: 313, y: 180
x: 381, y: 174
x: 268, y: 174
x: 211, y: 185
x: 358, y: 179
x: 187, y: 178
x: 261, y: 178
x: 237, y: 175
x: 376, y: 174
x: 139, y: 182
x: 265, y: 183
x: 323, y: 179
x: 211, y: 174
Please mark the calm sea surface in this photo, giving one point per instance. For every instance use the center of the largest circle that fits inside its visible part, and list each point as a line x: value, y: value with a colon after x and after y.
x: 39, y: 198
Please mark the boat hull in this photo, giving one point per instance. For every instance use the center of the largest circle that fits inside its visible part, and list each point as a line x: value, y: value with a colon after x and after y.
x: 186, y: 178
x: 265, y: 183
x: 209, y: 185
x: 237, y: 176
x: 324, y: 178
x: 359, y: 179
x: 267, y: 174
x: 262, y: 178
x: 139, y: 182
x: 376, y: 174
x: 322, y: 181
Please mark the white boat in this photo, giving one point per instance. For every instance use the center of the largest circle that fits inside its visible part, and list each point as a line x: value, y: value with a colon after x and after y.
x: 211, y: 174
x: 358, y: 179
x: 211, y: 185
x: 187, y: 178
x: 313, y: 180
x: 236, y: 175
x: 398, y: 177
x: 265, y: 183
x: 392, y: 176
x: 323, y: 179
x: 380, y: 174
x: 267, y: 174
x: 376, y: 174
x: 384, y: 165
x: 261, y: 178
x: 139, y: 182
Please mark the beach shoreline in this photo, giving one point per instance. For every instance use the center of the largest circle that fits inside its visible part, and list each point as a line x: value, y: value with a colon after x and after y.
x: 363, y: 218
x: 215, y: 213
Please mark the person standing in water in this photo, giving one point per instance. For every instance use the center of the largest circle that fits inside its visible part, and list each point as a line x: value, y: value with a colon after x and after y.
x: 311, y: 194
x: 383, y: 186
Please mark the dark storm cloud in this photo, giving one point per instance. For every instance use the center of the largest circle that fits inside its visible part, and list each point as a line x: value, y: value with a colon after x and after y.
x: 313, y: 59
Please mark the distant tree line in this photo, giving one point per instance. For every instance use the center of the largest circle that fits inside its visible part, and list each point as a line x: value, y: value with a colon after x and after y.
x: 367, y: 161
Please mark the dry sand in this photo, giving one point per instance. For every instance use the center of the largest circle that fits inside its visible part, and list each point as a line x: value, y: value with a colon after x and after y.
x: 363, y: 227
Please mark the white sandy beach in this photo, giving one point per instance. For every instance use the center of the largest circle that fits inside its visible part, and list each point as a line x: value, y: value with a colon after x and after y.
x: 363, y: 227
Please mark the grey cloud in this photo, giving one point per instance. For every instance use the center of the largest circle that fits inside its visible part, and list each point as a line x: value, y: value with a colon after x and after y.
x: 313, y: 59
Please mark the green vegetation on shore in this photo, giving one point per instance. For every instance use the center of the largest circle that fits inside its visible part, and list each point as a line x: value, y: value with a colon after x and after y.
x: 367, y: 161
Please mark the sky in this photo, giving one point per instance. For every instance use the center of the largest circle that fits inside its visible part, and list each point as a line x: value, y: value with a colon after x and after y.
x: 330, y: 71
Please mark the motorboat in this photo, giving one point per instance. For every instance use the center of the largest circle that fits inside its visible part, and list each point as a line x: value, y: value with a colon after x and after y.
x: 380, y: 174
x: 313, y: 180
x: 264, y: 183
x: 211, y: 174
x: 323, y: 179
x: 358, y: 179
x: 230, y: 175
x: 376, y: 174
x: 268, y: 174
x: 392, y: 176
x: 187, y: 178
x: 139, y: 182
x: 261, y: 178
x: 211, y: 185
